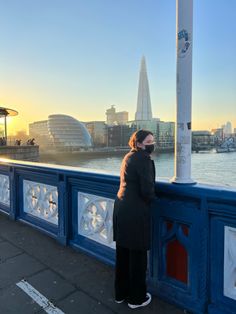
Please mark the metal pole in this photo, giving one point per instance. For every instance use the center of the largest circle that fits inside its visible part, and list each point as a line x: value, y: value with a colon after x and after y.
x: 183, y: 145
x: 5, y: 124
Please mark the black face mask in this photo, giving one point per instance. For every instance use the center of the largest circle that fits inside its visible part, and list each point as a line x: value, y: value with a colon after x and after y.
x: 149, y: 148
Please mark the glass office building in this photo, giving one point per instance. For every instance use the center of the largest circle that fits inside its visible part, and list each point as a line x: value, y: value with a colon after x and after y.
x: 61, y: 132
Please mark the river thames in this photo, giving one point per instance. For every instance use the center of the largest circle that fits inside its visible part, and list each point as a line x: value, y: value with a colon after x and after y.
x: 207, y: 167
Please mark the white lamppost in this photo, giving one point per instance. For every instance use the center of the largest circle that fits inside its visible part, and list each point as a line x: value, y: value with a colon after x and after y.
x: 183, y: 138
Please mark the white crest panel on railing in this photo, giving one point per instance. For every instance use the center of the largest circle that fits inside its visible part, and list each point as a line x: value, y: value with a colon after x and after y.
x: 95, y: 218
x: 4, y: 190
x: 230, y: 263
x: 41, y: 200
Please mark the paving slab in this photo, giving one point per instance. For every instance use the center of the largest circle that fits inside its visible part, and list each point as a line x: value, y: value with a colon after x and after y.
x: 14, y: 301
x: 80, y: 302
x: 51, y: 285
x: 17, y: 268
x: 8, y: 250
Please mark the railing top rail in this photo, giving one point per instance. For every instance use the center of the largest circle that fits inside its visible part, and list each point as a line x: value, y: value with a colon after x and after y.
x: 207, y: 191
x: 163, y: 186
x: 21, y: 163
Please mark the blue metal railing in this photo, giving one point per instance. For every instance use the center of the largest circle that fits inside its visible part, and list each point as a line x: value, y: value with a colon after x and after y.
x: 191, y: 261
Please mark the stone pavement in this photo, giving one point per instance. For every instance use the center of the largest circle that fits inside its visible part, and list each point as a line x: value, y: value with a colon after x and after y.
x: 71, y: 280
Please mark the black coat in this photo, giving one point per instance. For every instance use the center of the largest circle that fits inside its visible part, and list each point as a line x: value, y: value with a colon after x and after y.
x: 131, y: 217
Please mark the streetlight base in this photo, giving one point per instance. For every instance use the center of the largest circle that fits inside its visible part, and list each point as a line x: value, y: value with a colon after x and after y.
x: 187, y: 181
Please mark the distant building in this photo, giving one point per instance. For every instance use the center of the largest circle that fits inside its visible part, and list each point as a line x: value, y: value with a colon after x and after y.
x: 227, y: 128
x: 111, y: 115
x: 39, y: 128
x: 116, y: 118
x: 119, y: 135
x: 39, y: 131
x: 202, y: 140
x: 97, y: 130
x: 122, y: 117
x: 61, y: 132
x: 144, y: 108
x: 218, y: 133
x: 165, y: 134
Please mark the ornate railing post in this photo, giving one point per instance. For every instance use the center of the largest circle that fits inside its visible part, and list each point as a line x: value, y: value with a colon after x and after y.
x: 13, y: 193
x: 62, y: 211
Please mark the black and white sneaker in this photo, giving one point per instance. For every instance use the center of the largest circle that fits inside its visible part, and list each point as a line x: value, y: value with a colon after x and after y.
x: 145, y: 303
x: 119, y: 301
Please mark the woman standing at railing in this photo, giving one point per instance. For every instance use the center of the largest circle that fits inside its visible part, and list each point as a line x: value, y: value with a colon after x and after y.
x: 131, y: 221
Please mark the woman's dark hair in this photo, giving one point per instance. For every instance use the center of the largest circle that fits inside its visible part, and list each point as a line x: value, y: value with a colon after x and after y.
x: 138, y: 137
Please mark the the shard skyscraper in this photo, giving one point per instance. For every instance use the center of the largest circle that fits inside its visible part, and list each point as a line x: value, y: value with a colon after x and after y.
x: 144, y: 109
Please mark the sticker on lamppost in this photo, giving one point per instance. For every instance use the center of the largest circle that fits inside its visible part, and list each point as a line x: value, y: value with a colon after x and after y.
x: 184, y: 42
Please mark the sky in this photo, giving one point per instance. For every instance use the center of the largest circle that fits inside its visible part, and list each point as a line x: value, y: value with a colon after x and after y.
x: 79, y: 57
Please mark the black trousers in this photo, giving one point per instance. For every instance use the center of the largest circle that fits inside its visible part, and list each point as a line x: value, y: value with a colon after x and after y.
x: 130, y: 275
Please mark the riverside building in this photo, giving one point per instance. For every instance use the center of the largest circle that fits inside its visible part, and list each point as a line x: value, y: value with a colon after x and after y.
x: 97, y: 130
x: 116, y: 118
x: 62, y: 133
